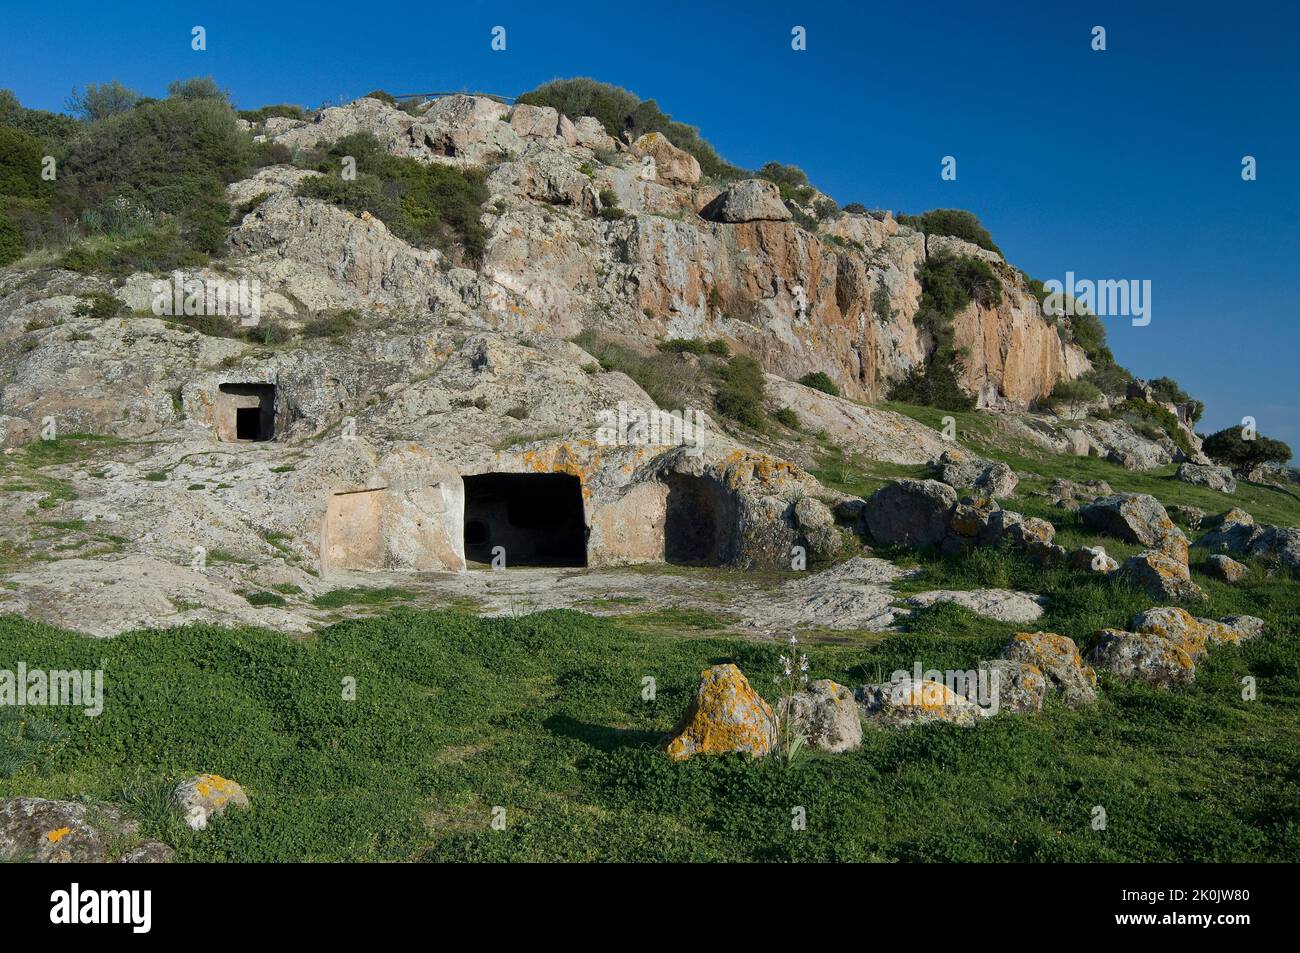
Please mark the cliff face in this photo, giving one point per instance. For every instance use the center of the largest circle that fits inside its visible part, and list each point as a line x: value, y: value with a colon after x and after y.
x: 686, y: 260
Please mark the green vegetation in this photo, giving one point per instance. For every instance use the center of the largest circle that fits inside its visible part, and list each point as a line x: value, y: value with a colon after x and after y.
x: 279, y: 111
x: 1071, y: 392
x: 819, y: 380
x: 1229, y: 448
x: 666, y: 378
x: 1168, y: 390
x: 331, y: 325
x: 790, y: 180
x: 786, y: 418
x: 261, y: 599
x: 98, y: 304
x: 1151, y: 420
x: 431, y: 206
x: 102, y: 100
x: 620, y: 111
x: 361, y: 596
x: 716, y: 347
x: 954, y: 222
x: 543, y: 715
x: 741, y: 391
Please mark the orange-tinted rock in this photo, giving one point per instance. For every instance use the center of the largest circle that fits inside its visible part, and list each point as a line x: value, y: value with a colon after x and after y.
x: 726, y: 715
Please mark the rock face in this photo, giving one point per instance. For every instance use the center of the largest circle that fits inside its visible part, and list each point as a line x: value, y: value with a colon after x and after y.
x: 905, y: 702
x: 672, y: 166
x: 750, y: 200
x: 1216, y: 478
x: 1002, y: 605
x: 205, y: 796
x: 911, y: 513
x: 37, y: 830
x: 1058, y: 658
x: 827, y: 714
x: 726, y: 715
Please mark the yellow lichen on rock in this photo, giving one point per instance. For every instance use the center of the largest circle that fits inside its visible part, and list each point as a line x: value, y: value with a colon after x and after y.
x: 726, y: 715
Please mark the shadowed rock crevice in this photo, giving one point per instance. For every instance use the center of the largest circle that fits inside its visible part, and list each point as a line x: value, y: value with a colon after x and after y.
x: 536, y: 517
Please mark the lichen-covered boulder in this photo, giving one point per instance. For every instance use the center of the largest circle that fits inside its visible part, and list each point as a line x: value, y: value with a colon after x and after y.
x: 1132, y: 517
x: 912, y: 513
x: 1225, y: 567
x: 1232, y: 533
x: 817, y: 530
x: 1152, y: 658
x: 1216, y: 478
x: 1057, y: 657
x: 1093, y: 559
x: 965, y: 471
x: 826, y: 714
x: 1243, y: 626
x: 1178, y: 626
x: 1159, y: 575
x: 726, y: 715
x: 37, y: 830
x: 1003, y: 605
x: 971, y: 517
x: 205, y: 796
x: 1018, y: 687
x: 905, y: 701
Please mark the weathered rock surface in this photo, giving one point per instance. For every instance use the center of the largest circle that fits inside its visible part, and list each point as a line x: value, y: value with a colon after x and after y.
x: 1002, y: 605
x: 1216, y: 478
x: 911, y: 513
x: 1019, y: 687
x: 1160, y: 575
x: 1093, y: 559
x: 1058, y: 658
x: 38, y: 830
x: 672, y: 166
x: 963, y: 470
x: 1132, y: 517
x: 826, y: 714
x: 1155, y: 660
x: 201, y: 798
x: 725, y: 716
x: 750, y: 200
x: 1225, y: 568
x: 904, y: 702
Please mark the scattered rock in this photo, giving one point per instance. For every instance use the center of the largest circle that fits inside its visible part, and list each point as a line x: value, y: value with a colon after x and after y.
x: 1017, y: 687
x: 1057, y: 657
x: 827, y: 714
x: 1215, y: 477
x: 1189, y: 516
x: 1155, y: 660
x: 36, y: 830
x: 965, y: 471
x: 1132, y: 517
x: 1225, y: 567
x: 14, y: 432
x: 1070, y: 493
x: 1093, y: 559
x: 673, y: 166
x: 911, y: 513
x: 905, y: 702
x: 726, y: 715
x: 1160, y: 575
x: 206, y: 796
x: 1003, y: 605
x: 750, y: 200
x: 1246, y: 626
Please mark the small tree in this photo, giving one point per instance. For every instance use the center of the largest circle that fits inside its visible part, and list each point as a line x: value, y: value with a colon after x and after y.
x: 1229, y: 448
x: 198, y: 87
x: 100, y: 101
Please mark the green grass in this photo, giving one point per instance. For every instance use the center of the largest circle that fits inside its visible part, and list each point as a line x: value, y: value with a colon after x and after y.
x: 543, y: 715
x: 362, y: 596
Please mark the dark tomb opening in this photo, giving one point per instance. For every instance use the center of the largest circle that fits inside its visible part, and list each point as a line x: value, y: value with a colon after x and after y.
x: 536, y: 517
x: 698, y: 520
x: 253, y: 406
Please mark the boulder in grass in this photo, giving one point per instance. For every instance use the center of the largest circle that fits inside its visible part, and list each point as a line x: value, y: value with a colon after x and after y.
x: 912, y: 513
x: 205, y: 796
x: 1093, y: 559
x: 725, y: 716
x: 1214, y: 477
x: 1132, y: 517
x: 826, y: 714
x: 1142, y: 655
x: 1160, y: 575
x: 37, y: 830
x: 1018, y: 687
x: 1057, y: 657
x: 906, y: 701
x: 1225, y: 568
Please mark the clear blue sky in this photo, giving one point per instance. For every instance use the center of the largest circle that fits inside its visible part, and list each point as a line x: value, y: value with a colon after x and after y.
x: 1122, y: 164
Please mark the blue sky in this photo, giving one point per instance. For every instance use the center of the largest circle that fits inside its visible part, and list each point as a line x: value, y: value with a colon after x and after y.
x: 1121, y: 164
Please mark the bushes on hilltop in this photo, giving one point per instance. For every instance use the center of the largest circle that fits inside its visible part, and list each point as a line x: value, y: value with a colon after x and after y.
x: 432, y: 206
x: 954, y: 222
x: 791, y: 181
x: 621, y: 111
x: 101, y: 100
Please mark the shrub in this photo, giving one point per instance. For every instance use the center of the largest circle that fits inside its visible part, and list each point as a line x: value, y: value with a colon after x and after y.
x: 612, y: 213
x: 279, y: 111
x: 856, y: 208
x: 741, y: 391
x: 158, y: 250
x: 786, y: 418
x: 1071, y: 392
x: 20, y: 164
x: 818, y: 380
x: 1229, y: 448
x: 621, y: 111
x: 432, y: 206
x: 11, y: 241
x: 954, y: 222
x: 199, y: 87
x: 934, y: 384
x: 98, y: 304
x: 791, y: 180
x: 52, y: 127
x: 383, y: 97
x: 268, y: 333
x: 333, y: 325
x: 665, y: 378
x: 716, y: 348
x: 102, y: 100
x: 826, y: 210
x: 1154, y: 416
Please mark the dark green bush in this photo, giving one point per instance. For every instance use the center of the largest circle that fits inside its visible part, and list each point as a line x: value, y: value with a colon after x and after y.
x: 791, y: 180
x: 20, y: 164
x: 856, y: 208
x: 158, y: 250
x: 268, y: 332
x: 101, y: 100
x: 11, y: 241
x: 934, y: 384
x: 333, y: 325
x: 821, y: 381
x: 198, y: 88
x: 741, y: 390
x: 1070, y: 392
x: 98, y: 304
x: 279, y: 111
x: 1229, y: 448
x: 716, y: 348
x: 52, y: 127
x: 383, y: 97
x: 957, y: 223
x: 786, y: 418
